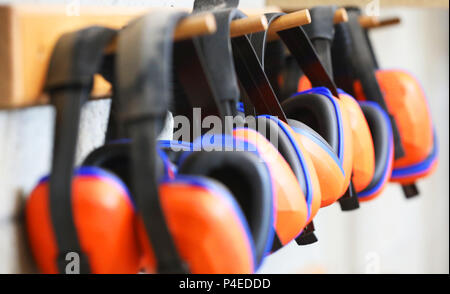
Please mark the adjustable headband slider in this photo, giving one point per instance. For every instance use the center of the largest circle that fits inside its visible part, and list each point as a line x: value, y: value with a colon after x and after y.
x: 137, y: 109
x: 322, y: 24
x: 76, y: 58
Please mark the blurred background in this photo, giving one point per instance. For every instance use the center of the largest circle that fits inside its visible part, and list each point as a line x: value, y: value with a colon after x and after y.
x: 388, y: 235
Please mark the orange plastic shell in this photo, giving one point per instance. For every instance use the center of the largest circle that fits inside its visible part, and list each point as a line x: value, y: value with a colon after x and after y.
x: 207, y: 232
x: 291, y: 209
x: 105, y: 222
x: 407, y: 103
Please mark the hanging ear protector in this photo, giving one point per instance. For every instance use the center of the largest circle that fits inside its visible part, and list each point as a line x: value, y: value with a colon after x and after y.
x: 260, y: 96
x: 381, y: 130
x: 398, y: 92
x: 216, y: 92
x: 206, y: 204
x: 329, y: 166
x: 322, y: 34
x: 406, y: 101
x: 87, y: 212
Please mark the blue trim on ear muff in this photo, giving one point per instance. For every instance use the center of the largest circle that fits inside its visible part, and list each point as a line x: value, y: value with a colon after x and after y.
x: 186, y: 146
x: 327, y: 93
x: 309, y: 193
x: 166, y: 161
x: 420, y: 167
x: 323, y: 146
x: 240, y: 107
x: 271, y: 236
x: 96, y: 172
x: 385, y: 177
x: 224, y: 194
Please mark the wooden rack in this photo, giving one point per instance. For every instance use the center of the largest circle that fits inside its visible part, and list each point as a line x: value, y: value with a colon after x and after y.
x: 370, y: 22
x: 29, y: 34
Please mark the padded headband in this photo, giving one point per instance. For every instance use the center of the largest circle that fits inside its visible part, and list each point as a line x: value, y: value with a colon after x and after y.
x: 216, y: 53
x: 144, y: 72
x: 321, y: 33
x: 301, y: 48
x: 75, y: 59
x: 364, y: 69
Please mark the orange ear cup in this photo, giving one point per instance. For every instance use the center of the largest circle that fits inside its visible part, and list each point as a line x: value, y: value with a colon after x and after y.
x: 319, y: 168
x: 304, y: 84
x: 363, y: 166
x: 363, y: 150
x: 406, y: 101
x: 313, y: 175
x: 292, y: 212
x: 104, y: 218
x: 333, y: 183
x: 208, y: 233
x: 347, y: 163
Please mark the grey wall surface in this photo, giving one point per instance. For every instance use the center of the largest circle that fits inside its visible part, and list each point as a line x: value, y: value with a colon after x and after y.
x: 388, y: 235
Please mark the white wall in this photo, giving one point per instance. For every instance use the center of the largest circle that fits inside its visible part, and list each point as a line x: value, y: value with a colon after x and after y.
x: 400, y: 235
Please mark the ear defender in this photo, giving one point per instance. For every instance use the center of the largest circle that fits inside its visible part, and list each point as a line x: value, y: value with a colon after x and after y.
x: 296, y: 199
x: 406, y: 101
x: 297, y: 191
x: 292, y: 200
x: 324, y: 129
x: 315, y: 114
x: 86, y: 215
x: 401, y: 96
x: 216, y: 215
x: 249, y: 181
x: 382, y: 136
x: 363, y: 146
x: 104, y: 218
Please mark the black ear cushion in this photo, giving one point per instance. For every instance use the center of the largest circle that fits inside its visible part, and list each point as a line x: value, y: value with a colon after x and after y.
x: 317, y: 112
x: 298, y: 125
x: 112, y: 157
x: 115, y: 158
x: 285, y: 148
x: 379, y: 129
x: 249, y: 181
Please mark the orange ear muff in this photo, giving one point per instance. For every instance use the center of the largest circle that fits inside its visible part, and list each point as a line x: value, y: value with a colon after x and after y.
x: 290, y: 203
x: 363, y: 150
x: 326, y: 133
x: 249, y: 181
x: 208, y: 226
x: 406, y: 101
x: 364, y: 167
x: 104, y: 217
x: 381, y: 131
x: 290, y: 209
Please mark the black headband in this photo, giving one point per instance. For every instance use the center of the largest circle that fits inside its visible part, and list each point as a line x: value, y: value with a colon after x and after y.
x: 144, y: 74
x: 363, y: 68
x: 76, y: 58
